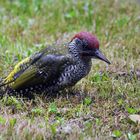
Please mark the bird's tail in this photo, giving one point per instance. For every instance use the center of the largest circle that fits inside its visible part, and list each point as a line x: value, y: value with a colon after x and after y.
x: 4, y: 83
x: 4, y: 88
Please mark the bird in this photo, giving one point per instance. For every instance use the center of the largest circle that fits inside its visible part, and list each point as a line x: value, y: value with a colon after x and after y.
x: 50, y: 73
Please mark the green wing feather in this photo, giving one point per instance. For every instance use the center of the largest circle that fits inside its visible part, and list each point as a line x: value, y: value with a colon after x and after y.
x: 20, y: 68
x: 24, y: 78
x: 27, y: 71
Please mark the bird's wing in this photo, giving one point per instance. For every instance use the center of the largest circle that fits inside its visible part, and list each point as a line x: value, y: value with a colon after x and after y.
x: 24, y: 65
x: 28, y: 62
x: 20, y: 68
x: 42, y: 69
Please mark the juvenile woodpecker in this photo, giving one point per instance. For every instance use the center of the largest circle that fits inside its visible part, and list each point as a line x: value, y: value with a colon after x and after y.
x: 54, y: 72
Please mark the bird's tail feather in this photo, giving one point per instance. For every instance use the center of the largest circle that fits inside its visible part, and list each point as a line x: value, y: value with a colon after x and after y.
x: 3, y: 83
x: 5, y: 88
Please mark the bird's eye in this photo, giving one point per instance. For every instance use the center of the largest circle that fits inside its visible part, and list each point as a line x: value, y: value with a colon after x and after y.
x: 79, y: 42
x: 85, y: 43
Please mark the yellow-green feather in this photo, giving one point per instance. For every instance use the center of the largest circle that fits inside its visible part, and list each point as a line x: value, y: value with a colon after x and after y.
x: 24, y: 77
x: 17, y: 68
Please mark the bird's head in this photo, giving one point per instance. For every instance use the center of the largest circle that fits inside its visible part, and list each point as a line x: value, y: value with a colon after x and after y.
x: 87, y: 46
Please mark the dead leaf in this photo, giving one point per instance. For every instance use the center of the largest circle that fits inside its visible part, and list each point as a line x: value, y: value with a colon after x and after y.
x: 135, y: 118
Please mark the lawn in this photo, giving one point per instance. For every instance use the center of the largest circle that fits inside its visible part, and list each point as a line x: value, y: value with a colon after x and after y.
x: 101, y: 106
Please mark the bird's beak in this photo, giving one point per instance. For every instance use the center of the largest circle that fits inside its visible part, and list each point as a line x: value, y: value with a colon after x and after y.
x: 97, y: 54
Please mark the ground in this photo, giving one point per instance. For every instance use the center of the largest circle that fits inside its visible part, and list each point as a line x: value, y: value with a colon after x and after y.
x: 102, y: 105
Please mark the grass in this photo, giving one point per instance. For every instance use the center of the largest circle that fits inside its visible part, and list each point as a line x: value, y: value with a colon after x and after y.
x: 101, y: 103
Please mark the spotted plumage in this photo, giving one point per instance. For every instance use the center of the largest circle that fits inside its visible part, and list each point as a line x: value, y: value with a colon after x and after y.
x: 54, y: 72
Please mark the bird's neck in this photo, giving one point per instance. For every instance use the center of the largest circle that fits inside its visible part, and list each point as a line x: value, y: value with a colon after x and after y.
x: 74, y: 51
x: 81, y: 62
